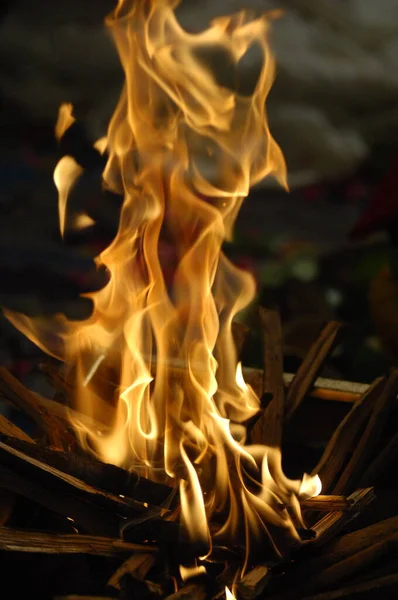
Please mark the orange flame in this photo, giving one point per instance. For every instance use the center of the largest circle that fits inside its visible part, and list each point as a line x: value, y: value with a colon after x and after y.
x: 156, y: 362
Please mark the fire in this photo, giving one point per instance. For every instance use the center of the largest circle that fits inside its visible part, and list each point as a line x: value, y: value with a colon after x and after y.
x: 156, y: 363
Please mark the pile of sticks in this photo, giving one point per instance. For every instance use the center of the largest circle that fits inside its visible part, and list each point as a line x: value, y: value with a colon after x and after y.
x: 73, y: 527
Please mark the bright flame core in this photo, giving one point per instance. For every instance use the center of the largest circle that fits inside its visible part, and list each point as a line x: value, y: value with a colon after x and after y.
x: 156, y: 362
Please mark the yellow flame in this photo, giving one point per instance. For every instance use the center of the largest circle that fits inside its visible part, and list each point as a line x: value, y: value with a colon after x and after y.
x: 229, y: 595
x: 192, y: 571
x: 83, y: 221
x: 156, y: 364
x: 65, y: 119
x: 66, y: 174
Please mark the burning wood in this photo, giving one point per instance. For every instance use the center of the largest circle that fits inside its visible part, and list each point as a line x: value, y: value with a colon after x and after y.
x: 310, y: 367
x: 349, y: 556
x: 268, y: 428
x: 158, y: 393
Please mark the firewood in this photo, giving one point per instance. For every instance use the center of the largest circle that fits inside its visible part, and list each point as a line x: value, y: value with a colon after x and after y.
x: 325, y: 503
x: 7, y: 503
x: 82, y: 514
x: 190, y: 592
x: 15, y: 540
x: 310, y: 367
x: 369, y: 589
x: 24, y: 400
x: 96, y: 511
x: 340, y: 444
x: 239, y: 333
x: 381, y: 462
x: 64, y: 386
x: 99, y: 475
x: 352, y: 543
x: 137, y: 565
x: 64, y: 414
x: 352, y: 565
x: 55, y: 375
x: 327, y: 527
x: 8, y: 428
x: 254, y: 582
x: 333, y: 390
x: 78, y: 597
x: 268, y: 428
x: 363, y: 450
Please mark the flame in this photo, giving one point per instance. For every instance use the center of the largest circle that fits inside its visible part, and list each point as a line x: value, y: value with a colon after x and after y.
x: 229, y: 595
x: 65, y: 119
x: 156, y: 362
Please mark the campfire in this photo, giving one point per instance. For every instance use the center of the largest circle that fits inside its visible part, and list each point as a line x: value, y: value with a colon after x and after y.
x: 165, y: 453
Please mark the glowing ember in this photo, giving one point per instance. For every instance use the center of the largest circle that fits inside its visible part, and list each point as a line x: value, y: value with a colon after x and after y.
x: 156, y: 362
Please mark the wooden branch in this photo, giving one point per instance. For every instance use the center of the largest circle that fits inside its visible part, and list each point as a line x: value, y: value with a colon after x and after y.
x: 79, y: 597
x: 325, y: 503
x: 327, y: 527
x: 190, y: 592
x: 137, y: 566
x: 363, y: 450
x: 310, y: 367
x: 341, y: 442
x: 8, y: 428
x: 26, y: 401
x: 268, y: 428
x: 369, y: 589
x: 96, y: 511
x: 56, y: 378
x: 87, y: 517
x: 254, y: 582
x: 333, y: 390
x: 99, y: 475
x: 380, y: 463
x: 38, y: 542
x: 239, y: 333
x: 352, y: 565
x: 352, y: 543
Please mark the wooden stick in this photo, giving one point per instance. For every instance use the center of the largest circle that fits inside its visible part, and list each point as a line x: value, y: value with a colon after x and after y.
x: 380, y: 463
x: 375, y: 586
x: 56, y: 377
x: 64, y: 387
x: 96, y: 474
x: 327, y: 527
x: 84, y: 515
x: 26, y: 401
x: 190, y: 592
x: 325, y: 503
x: 65, y: 414
x: 352, y: 565
x: 239, y: 333
x: 137, y: 566
x: 78, y: 597
x: 341, y: 442
x: 8, y: 428
x: 363, y: 450
x: 254, y: 582
x: 96, y: 511
x: 268, y: 428
x: 310, y: 367
x: 38, y: 542
x: 352, y: 543
x: 334, y: 390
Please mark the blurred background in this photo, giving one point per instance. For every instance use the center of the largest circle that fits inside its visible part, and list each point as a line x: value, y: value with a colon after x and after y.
x: 334, y: 111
